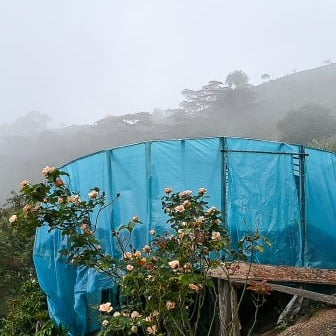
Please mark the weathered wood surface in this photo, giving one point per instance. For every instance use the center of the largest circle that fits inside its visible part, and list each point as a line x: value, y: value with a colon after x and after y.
x: 244, y: 271
x: 228, y: 309
x: 305, y: 293
x: 331, y: 299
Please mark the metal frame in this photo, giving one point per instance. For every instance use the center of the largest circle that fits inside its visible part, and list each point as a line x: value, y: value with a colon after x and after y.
x: 262, y: 152
x: 301, y: 192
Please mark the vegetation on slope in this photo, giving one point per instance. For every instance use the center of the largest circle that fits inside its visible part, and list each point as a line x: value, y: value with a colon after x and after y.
x: 229, y: 108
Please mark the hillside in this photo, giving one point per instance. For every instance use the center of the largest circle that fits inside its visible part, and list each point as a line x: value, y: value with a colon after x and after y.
x: 295, y: 90
x: 253, y: 111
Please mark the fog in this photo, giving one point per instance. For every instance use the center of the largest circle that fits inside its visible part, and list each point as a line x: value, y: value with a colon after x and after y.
x: 77, y: 76
x: 81, y: 60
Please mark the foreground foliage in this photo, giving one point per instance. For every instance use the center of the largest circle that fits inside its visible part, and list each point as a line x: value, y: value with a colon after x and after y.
x: 15, y: 255
x: 28, y: 314
x: 23, y: 308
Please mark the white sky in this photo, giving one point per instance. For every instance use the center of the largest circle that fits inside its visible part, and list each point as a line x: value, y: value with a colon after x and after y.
x: 80, y: 60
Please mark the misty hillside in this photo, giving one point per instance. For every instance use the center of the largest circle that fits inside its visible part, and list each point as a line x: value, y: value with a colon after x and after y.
x: 296, y: 108
x: 298, y: 89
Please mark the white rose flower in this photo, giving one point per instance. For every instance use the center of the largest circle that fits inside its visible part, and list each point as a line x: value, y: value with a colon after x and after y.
x: 155, y: 313
x: 93, y: 194
x: 74, y: 199
x: 170, y: 305
x: 27, y: 209
x: 129, y: 267
x: 152, y: 330
x: 174, y: 264
x: 184, y: 194
x: 216, y: 236
x: 46, y: 171
x: 211, y: 210
x: 202, y: 191
x: 179, y: 208
x: 106, y: 307
x: 128, y: 255
x: 12, y: 219
x: 105, y: 323
x: 24, y: 183
x: 135, y: 314
x: 147, y: 249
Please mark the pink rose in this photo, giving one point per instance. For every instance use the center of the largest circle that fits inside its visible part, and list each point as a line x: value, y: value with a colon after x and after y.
x: 174, y: 264
x: 179, y: 208
x: 106, y: 307
x: 168, y: 190
x: 170, y: 305
x: 129, y: 267
x: 202, y: 191
x: 184, y: 194
x: 46, y: 171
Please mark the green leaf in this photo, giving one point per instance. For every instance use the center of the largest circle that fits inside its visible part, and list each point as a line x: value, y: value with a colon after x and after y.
x: 267, y: 241
x: 260, y: 248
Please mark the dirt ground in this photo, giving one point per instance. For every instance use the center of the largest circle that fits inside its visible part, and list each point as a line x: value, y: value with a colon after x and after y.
x: 322, y: 323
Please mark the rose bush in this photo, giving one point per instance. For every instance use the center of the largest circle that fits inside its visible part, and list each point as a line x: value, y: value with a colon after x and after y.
x: 162, y: 284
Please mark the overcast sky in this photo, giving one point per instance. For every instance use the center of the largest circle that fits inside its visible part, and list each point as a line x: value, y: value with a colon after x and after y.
x: 80, y: 60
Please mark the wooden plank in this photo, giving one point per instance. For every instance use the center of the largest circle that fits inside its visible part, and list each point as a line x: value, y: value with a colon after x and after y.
x: 244, y: 271
x: 223, y: 288
x: 331, y: 299
x: 234, y: 312
x: 228, y: 309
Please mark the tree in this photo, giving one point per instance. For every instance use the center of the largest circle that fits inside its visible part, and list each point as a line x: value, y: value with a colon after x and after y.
x: 328, y: 144
x: 200, y: 100
x: 237, y: 79
x: 307, y: 123
x: 265, y: 77
x: 327, y: 61
x: 31, y: 123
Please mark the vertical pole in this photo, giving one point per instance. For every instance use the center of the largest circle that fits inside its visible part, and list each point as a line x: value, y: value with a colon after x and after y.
x: 148, y: 156
x: 183, y: 159
x: 109, y: 157
x: 228, y: 302
x: 228, y: 306
x: 303, y: 203
x: 223, y: 179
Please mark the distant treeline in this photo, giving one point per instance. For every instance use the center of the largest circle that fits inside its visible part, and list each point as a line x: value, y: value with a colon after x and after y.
x: 298, y: 108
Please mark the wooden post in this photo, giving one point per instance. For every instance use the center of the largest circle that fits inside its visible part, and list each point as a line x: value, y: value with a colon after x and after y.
x: 228, y: 309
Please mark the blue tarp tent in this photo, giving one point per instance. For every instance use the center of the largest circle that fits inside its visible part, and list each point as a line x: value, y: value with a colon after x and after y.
x: 287, y: 191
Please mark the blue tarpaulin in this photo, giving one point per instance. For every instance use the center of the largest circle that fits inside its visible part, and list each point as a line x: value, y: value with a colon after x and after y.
x: 286, y: 191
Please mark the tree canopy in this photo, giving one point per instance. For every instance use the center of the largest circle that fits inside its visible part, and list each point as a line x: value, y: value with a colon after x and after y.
x: 237, y: 79
x: 307, y: 123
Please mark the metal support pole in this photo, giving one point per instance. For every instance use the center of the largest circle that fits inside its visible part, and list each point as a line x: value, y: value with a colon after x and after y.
x: 263, y: 152
x: 223, y: 179
x: 303, y: 203
x: 148, y: 151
